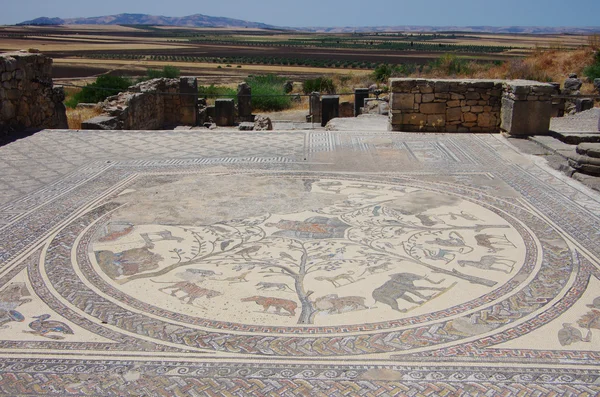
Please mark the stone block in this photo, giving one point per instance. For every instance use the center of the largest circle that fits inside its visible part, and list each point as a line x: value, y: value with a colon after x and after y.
x: 454, y: 96
x: 360, y: 94
x: 428, y: 98
x: 472, y: 95
x: 402, y: 101
x: 453, y: 114
x: 405, y: 85
x: 101, y: 123
x: 315, y: 107
x: 583, y: 104
x: 396, y: 117
x: 437, y: 121
x: 330, y: 108
x: 224, y: 112
x: 433, y: 108
x: 244, y: 95
x: 469, y: 117
x: 426, y: 89
x: 453, y: 104
x: 476, y: 109
x: 415, y: 119
x: 486, y: 120
x: 246, y: 126
x: 441, y: 86
x: 263, y: 123
x: 522, y: 118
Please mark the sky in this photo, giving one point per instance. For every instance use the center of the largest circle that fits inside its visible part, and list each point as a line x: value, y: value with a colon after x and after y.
x: 300, y: 13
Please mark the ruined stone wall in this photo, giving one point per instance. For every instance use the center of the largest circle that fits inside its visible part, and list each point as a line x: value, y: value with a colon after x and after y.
x: 27, y: 96
x: 419, y: 105
x: 441, y: 105
x: 151, y: 105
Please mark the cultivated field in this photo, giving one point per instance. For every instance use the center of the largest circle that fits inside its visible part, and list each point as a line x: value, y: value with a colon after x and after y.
x: 225, y: 55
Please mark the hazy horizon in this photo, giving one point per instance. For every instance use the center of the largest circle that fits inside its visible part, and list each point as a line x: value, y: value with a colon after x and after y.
x: 333, y: 13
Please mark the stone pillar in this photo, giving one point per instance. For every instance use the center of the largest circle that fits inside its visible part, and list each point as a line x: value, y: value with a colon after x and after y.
x: 360, y: 94
x: 583, y: 104
x: 224, y: 112
x: 558, y: 104
x: 315, y: 107
x: 526, y: 108
x: 330, y: 108
x: 244, y: 95
x: 188, y: 88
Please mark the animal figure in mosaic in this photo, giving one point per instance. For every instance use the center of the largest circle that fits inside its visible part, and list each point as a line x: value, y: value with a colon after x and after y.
x: 241, y: 278
x: 428, y: 220
x: 400, y: 286
x: 487, y: 262
x: 276, y: 286
x: 245, y: 253
x: 317, y: 227
x: 203, y: 272
x: 454, y: 240
x: 335, y: 280
x: 595, y: 304
x: 439, y: 254
x: 191, y: 291
x: 43, y: 327
x: 370, y: 270
x: 166, y: 235
x: 332, y: 304
x: 569, y: 334
x: 491, y: 242
x: 129, y: 262
x: 7, y: 316
x: 12, y: 297
x: 279, y: 304
x: 464, y: 215
x: 116, y: 234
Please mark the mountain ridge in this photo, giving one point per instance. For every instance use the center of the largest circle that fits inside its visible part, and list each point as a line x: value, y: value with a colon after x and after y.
x: 200, y: 20
x: 195, y: 20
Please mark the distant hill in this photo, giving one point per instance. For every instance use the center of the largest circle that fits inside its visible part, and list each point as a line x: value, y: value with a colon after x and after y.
x: 43, y: 21
x: 197, y: 20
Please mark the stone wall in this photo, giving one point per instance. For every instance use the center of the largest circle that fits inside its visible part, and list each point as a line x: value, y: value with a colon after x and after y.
x: 442, y: 105
x: 151, y: 105
x: 27, y: 96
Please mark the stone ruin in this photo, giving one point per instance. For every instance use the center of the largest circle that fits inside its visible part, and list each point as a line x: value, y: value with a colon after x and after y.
x: 518, y: 107
x: 151, y: 105
x: 28, y: 98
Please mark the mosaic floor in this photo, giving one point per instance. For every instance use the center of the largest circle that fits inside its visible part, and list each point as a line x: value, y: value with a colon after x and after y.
x: 284, y: 264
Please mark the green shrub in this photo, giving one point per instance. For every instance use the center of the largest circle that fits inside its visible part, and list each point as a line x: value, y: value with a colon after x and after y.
x: 319, y: 84
x: 450, y: 64
x: 98, y: 91
x: 169, y: 72
x: 593, y: 71
x: 268, y: 92
x: 383, y: 72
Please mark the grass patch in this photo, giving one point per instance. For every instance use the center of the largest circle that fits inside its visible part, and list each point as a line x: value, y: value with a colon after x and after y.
x: 268, y: 93
x: 77, y: 116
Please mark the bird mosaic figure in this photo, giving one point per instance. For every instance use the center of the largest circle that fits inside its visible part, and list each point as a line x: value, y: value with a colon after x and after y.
x: 43, y: 327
